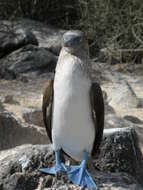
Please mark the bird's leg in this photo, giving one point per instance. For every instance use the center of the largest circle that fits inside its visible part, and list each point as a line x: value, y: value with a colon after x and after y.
x: 58, y: 167
x: 80, y: 176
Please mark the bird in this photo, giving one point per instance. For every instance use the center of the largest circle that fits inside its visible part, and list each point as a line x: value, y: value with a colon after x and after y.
x: 73, y: 110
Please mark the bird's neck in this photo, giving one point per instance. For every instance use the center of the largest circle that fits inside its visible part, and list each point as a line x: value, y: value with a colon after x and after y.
x: 81, y: 53
x: 77, y: 62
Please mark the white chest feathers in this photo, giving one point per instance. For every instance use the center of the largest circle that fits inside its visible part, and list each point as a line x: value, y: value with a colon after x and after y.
x: 72, y: 125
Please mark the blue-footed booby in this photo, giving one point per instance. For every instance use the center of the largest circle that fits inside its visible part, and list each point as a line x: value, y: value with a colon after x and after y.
x: 73, y: 109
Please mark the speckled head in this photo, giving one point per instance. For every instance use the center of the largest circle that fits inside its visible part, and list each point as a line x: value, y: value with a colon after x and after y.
x: 74, y: 40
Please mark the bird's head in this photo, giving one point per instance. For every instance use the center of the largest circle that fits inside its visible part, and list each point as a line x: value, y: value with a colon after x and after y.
x: 74, y: 41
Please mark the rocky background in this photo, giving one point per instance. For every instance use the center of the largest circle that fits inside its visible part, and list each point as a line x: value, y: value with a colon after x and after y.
x: 29, y: 51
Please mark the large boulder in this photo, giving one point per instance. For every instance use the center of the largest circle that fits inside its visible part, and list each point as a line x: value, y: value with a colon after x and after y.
x: 12, y: 39
x: 123, y: 96
x: 18, y: 166
x: 19, y: 170
x: 47, y: 36
x: 13, y: 132
x: 119, y: 163
x: 27, y: 59
x: 133, y: 119
x: 33, y: 116
x: 114, y: 121
x: 1, y: 106
x: 120, y: 152
x: 19, y: 52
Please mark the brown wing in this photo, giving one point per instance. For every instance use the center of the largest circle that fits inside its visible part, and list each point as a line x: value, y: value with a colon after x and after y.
x: 47, y: 107
x: 97, y: 104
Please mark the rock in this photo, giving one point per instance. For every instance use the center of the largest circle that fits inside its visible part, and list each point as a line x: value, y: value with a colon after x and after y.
x: 139, y: 130
x: 20, y: 181
x: 19, y: 166
x: 9, y: 99
x: 97, y: 71
x: 23, y: 57
x: 108, y: 109
x: 23, y: 79
x: 133, y: 119
x: 114, y: 121
x: 19, y: 170
x: 27, y: 59
x: 47, y: 36
x: 123, y: 96
x: 1, y: 105
x: 104, y: 181
x: 12, y: 39
x: 116, y: 181
x: 33, y: 116
x: 120, y: 152
x: 13, y: 132
x: 141, y: 103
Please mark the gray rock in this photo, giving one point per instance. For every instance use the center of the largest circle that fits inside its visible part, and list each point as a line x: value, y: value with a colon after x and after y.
x: 27, y: 59
x: 19, y: 166
x: 13, y: 132
x: 133, y: 119
x: 120, y: 152
x: 123, y: 96
x: 9, y: 99
x: 114, y: 121
x: 141, y: 103
x: 33, y: 116
x: 139, y: 130
x: 108, y: 109
x: 47, y: 36
x: 12, y: 39
x: 19, y: 170
x: 1, y: 106
x: 104, y: 181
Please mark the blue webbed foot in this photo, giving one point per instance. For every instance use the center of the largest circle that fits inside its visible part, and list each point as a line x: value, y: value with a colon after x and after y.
x: 53, y: 170
x: 80, y: 176
x: 59, y: 166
